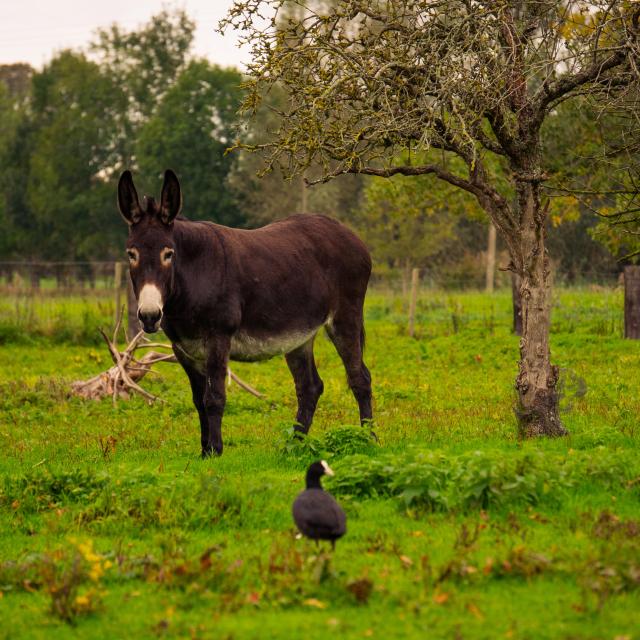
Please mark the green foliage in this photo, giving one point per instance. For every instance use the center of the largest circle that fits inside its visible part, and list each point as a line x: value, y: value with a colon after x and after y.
x: 192, y: 126
x: 140, y: 101
x: 146, y: 62
x: 404, y: 221
x: 588, y: 182
x: 337, y: 442
x: 75, y: 105
x: 435, y: 481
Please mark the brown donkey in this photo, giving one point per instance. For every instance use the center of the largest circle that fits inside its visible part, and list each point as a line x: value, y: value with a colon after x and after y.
x: 221, y: 294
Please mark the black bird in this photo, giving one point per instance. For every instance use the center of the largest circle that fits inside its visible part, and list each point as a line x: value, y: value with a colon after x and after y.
x: 315, y: 512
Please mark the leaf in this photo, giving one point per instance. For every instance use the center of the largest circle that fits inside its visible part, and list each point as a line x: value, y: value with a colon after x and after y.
x: 314, y: 602
x: 406, y: 561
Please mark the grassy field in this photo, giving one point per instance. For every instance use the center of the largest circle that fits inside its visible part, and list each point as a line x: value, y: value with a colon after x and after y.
x: 112, y: 527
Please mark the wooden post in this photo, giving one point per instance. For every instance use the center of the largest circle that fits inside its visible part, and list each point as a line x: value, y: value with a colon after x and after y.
x: 415, y: 276
x: 133, y: 324
x: 491, y: 259
x: 117, y: 285
x: 517, y: 303
x: 632, y: 302
x: 34, y: 276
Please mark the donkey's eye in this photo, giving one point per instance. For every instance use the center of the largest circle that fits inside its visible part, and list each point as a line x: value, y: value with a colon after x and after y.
x: 133, y: 256
x: 166, y: 256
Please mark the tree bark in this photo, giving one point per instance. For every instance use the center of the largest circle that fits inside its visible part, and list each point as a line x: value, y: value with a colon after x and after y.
x: 516, y: 281
x: 632, y: 302
x: 537, y: 379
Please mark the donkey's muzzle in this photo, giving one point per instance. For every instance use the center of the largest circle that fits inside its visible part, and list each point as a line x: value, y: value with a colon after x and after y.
x: 150, y: 307
x: 150, y: 319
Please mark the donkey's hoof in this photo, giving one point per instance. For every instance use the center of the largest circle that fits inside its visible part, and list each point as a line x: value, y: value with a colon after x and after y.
x: 299, y: 432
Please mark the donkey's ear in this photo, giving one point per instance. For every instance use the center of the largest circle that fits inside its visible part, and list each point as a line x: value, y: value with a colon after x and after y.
x: 128, y: 199
x: 171, y: 198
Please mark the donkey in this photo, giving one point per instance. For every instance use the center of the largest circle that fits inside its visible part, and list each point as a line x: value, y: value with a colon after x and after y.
x: 225, y: 294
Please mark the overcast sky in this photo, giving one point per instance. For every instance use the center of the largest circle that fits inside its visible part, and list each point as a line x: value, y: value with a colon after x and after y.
x: 32, y: 31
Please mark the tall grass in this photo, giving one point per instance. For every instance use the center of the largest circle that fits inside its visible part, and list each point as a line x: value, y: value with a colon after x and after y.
x: 27, y: 318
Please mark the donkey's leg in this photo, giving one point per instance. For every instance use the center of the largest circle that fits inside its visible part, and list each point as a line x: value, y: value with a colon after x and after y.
x: 347, y: 334
x: 215, y: 393
x: 197, y: 381
x: 309, y: 386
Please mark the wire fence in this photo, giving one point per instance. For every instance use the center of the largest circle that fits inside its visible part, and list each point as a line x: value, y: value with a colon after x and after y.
x: 70, y: 301
x: 61, y: 278
x: 101, y: 278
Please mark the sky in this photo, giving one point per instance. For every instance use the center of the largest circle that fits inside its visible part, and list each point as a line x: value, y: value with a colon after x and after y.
x: 32, y: 31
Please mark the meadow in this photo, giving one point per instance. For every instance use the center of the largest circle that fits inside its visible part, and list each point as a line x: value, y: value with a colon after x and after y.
x: 111, y: 526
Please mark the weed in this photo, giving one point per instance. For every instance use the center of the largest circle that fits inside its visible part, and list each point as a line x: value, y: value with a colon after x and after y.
x: 435, y: 481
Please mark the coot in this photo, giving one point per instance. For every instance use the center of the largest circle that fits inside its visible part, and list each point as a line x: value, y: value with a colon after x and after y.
x: 316, y: 513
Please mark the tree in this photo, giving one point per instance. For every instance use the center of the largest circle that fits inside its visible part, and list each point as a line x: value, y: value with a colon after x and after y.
x: 16, y: 143
x: 367, y: 79
x: 586, y: 185
x: 148, y: 59
x: 145, y: 63
x: 17, y: 78
x: 193, y: 125
x: 74, y: 119
x: 267, y: 196
x: 9, y: 118
x: 408, y: 223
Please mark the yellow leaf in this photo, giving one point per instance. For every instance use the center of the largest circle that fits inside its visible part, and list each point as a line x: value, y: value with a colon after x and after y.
x: 314, y: 602
x: 406, y: 561
x: 82, y: 601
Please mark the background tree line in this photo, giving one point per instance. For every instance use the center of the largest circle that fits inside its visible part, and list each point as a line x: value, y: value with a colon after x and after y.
x: 140, y: 99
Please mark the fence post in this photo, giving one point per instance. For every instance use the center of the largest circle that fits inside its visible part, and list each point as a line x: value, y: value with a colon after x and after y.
x: 491, y: 259
x: 517, y: 303
x: 415, y: 275
x: 117, y: 285
x: 632, y: 302
x: 133, y: 324
x: 34, y: 276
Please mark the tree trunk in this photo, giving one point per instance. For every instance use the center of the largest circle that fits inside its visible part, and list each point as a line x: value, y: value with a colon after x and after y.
x: 491, y: 259
x: 537, y: 378
x: 516, y: 281
x: 632, y: 302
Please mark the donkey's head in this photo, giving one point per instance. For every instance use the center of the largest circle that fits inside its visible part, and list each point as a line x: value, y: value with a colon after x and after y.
x: 150, y: 245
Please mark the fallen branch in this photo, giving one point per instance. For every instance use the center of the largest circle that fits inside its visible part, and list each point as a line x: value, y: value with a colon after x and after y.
x: 120, y: 380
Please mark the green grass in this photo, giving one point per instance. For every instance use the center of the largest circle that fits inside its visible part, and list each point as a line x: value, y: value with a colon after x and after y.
x: 111, y: 526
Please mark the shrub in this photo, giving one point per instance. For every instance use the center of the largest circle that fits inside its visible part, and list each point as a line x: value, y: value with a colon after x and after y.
x: 435, y: 481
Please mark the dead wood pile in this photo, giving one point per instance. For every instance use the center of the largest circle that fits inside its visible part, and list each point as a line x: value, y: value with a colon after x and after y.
x: 121, y: 380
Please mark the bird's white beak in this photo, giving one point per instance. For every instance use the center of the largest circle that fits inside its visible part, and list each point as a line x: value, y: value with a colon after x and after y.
x: 327, y: 469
